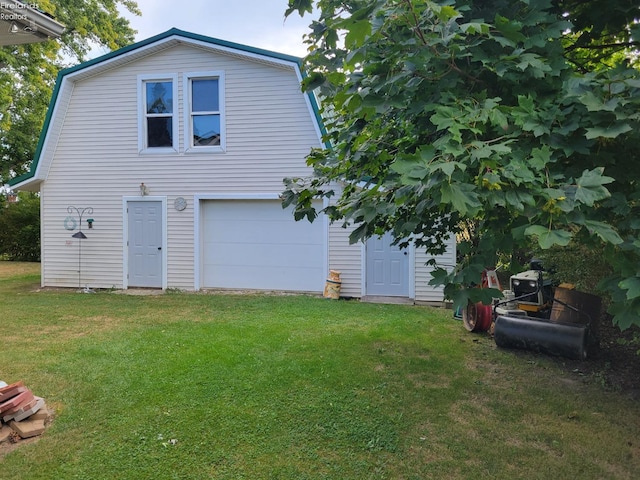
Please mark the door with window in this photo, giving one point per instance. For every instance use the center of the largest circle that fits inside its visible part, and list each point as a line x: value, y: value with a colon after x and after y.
x: 145, y: 244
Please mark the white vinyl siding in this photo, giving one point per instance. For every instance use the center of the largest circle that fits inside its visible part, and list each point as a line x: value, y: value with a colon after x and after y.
x: 92, y: 159
x: 349, y: 260
x: 428, y: 293
x: 96, y: 159
x: 346, y: 258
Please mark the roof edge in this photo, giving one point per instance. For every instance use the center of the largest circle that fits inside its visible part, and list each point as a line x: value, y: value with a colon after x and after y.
x: 40, y: 23
x: 23, y: 179
x: 181, y: 33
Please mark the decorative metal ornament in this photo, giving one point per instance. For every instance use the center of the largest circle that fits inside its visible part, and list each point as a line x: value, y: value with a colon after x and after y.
x: 180, y: 204
x: 70, y: 223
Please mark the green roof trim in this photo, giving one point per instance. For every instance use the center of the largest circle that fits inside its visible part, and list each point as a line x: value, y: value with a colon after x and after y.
x: 43, y: 133
x: 143, y: 43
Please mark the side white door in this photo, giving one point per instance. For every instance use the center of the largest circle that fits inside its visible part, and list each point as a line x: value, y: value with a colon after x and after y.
x: 145, y: 244
x: 387, y: 268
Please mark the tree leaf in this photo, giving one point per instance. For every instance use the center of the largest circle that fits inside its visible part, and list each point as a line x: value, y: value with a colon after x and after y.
x: 540, y: 157
x: 313, y: 81
x: 595, y: 104
x: 357, y: 32
x: 632, y: 286
x: 410, y: 170
x: 461, y: 197
x: 526, y: 103
x: 548, y: 238
x: 604, y: 231
x: 498, y: 119
x: 535, y: 63
x: 508, y: 28
x: 519, y: 199
x: 626, y: 316
x: 475, y: 27
x: 445, y: 12
x: 302, y: 6
x: 535, y: 230
x: 608, y: 132
x: 590, y: 187
x: 448, y: 167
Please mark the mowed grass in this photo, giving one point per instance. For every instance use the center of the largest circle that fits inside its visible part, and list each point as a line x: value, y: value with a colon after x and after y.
x: 197, y: 386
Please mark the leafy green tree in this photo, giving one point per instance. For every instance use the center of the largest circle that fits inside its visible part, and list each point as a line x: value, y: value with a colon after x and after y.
x: 497, y: 114
x: 28, y: 72
x: 20, y: 229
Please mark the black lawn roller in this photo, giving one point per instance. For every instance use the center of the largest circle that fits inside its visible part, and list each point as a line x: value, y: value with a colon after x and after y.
x: 570, y: 332
x: 563, y: 339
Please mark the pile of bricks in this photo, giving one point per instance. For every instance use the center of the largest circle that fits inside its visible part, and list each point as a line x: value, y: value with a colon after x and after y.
x: 22, y: 414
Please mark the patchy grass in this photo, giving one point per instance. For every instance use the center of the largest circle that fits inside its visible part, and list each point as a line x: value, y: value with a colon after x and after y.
x: 13, y: 270
x: 194, y: 386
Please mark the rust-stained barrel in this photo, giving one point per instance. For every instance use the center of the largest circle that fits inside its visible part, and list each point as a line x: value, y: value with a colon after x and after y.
x: 575, y: 307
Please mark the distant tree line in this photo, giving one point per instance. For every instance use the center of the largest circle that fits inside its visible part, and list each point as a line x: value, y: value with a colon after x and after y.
x: 20, y: 228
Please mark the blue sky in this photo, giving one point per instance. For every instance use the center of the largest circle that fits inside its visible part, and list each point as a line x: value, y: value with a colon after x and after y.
x: 257, y: 23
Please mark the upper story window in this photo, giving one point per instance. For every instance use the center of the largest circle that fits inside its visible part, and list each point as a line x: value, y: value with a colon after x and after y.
x: 159, y: 111
x: 158, y: 119
x: 204, y: 112
x: 200, y: 95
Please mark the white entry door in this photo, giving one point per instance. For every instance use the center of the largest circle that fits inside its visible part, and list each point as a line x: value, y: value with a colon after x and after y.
x: 145, y: 244
x: 387, y: 268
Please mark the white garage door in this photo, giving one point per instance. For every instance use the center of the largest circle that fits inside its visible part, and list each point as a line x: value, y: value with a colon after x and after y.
x: 255, y: 244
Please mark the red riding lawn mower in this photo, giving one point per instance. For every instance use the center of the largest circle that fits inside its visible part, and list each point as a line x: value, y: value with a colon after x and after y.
x: 533, y: 315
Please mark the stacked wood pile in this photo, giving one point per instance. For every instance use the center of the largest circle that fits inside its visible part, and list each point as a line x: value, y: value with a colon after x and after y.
x: 22, y: 414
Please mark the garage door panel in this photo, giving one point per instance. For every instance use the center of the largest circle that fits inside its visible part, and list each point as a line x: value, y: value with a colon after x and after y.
x: 279, y: 232
x: 255, y: 244
x: 294, y: 256
x: 244, y: 277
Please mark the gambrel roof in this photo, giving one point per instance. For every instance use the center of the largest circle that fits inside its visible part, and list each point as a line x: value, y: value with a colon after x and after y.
x: 67, y: 77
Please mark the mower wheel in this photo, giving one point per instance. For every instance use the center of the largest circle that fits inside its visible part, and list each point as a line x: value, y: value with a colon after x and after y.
x: 477, y: 317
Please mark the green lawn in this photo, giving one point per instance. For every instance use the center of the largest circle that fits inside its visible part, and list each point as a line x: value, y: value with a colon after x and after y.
x: 195, y: 386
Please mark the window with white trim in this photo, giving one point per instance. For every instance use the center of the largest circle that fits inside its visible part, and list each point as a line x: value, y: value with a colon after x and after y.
x: 158, y: 119
x: 204, y: 111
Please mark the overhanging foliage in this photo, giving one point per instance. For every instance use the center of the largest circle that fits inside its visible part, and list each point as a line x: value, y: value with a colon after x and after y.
x: 28, y: 72
x: 444, y: 112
